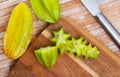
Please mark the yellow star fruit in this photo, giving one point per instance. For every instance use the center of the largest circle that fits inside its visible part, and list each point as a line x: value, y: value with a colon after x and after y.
x: 19, y: 31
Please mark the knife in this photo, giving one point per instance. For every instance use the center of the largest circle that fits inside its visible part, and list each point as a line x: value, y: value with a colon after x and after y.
x: 93, y: 8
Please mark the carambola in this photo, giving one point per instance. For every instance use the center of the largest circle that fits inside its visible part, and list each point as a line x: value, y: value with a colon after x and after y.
x: 65, y: 43
x: 46, y: 10
x: 19, y: 31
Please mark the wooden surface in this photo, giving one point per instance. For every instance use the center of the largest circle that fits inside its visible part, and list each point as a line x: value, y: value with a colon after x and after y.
x: 68, y: 65
x: 70, y: 8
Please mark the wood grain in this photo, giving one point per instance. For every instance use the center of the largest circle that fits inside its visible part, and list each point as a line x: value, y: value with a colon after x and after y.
x: 28, y: 67
x: 68, y: 66
x: 72, y: 9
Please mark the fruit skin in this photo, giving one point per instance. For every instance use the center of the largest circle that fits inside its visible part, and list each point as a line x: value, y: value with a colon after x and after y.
x: 46, y: 56
x: 19, y: 31
x: 46, y: 10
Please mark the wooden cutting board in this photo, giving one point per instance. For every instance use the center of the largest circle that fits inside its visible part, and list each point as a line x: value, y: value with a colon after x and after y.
x: 106, y: 65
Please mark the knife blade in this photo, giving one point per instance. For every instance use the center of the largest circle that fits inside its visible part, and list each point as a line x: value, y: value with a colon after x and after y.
x: 93, y: 8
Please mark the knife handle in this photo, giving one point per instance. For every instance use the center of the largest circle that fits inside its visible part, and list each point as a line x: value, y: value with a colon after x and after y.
x: 115, y: 35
